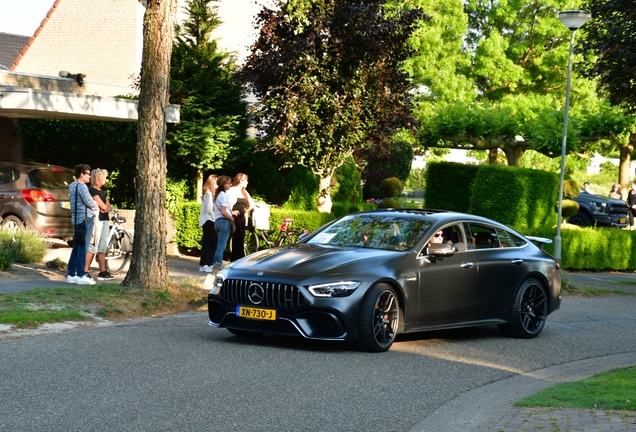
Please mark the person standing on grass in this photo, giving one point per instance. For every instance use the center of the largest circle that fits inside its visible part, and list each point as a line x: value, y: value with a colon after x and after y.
x: 81, y: 201
x: 223, y: 219
x: 206, y: 221
x: 101, y: 220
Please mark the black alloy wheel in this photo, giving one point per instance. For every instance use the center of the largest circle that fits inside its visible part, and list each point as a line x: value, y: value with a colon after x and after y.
x: 529, y: 311
x: 379, y: 319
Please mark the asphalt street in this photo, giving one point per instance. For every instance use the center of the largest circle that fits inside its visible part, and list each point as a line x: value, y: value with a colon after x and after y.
x: 176, y: 373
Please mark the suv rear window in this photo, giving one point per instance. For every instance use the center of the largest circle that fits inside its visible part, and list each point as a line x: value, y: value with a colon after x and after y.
x: 54, y: 178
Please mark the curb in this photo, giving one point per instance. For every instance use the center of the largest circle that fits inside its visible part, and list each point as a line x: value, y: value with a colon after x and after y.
x: 481, y: 408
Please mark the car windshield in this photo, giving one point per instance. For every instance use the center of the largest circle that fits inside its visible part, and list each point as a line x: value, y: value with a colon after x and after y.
x: 54, y: 178
x: 387, y: 232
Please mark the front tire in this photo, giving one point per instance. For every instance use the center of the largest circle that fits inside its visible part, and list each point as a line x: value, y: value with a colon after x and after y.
x: 529, y: 311
x: 379, y: 319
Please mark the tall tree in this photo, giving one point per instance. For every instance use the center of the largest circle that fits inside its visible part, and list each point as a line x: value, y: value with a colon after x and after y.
x: 203, y: 83
x: 611, y: 36
x: 149, y: 265
x: 328, y: 78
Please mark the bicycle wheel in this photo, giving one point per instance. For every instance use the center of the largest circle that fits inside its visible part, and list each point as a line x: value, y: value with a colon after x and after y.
x: 251, y: 242
x: 116, y: 259
x: 288, y: 237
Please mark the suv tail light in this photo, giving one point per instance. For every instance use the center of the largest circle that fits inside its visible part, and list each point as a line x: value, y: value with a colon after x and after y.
x: 31, y: 195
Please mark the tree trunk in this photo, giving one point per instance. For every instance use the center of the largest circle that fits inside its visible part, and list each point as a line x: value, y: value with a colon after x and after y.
x: 324, y: 194
x: 199, y: 182
x: 624, y: 176
x: 149, y: 265
x: 514, y: 153
x: 492, y: 156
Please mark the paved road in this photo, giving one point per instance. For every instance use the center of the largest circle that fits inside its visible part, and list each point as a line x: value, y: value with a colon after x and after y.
x: 177, y: 373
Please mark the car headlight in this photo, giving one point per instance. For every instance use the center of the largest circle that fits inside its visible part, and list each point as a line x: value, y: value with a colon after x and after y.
x: 219, y: 277
x: 334, y: 289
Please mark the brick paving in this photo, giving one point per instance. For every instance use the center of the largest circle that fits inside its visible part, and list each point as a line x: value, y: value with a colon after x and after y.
x: 565, y: 420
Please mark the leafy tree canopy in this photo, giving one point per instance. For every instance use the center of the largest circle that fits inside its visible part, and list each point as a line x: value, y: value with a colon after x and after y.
x: 328, y: 78
x: 203, y: 82
x: 611, y: 36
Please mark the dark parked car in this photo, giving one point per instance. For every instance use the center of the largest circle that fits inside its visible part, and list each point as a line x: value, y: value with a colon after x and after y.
x: 598, y: 210
x: 369, y: 276
x: 37, y: 195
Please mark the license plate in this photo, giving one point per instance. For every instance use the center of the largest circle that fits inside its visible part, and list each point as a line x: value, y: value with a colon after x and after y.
x: 65, y: 205
x: 623, y: 220
x: 256, y: 313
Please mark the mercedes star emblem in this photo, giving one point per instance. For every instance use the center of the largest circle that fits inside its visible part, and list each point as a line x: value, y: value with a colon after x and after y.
x: 255, y: 293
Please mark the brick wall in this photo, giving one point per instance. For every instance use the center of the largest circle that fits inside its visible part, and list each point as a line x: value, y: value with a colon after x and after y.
x: 101, y: 39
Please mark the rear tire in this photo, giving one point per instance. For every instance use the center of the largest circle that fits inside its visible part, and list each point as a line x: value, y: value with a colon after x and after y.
x: 379, y: 319
x: 580, y: 219
x: 12, y: 222
x: 529, y: 311
x: 116, y: 259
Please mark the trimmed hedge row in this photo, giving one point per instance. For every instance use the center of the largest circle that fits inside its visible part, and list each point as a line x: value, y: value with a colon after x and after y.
x: 189, y: 234
x: 593, y: 249
x: 525, y: 200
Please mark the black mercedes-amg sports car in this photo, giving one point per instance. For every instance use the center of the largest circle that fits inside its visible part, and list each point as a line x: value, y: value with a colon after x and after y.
x: 369, y: 276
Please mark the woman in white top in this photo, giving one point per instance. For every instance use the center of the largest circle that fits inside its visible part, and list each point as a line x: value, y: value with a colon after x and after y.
x: 241, y: 201
x: 206, y: 221
x: 223, y: 218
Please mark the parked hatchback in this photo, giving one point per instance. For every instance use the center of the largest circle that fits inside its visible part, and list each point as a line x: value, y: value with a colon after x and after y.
x: 37, y: 195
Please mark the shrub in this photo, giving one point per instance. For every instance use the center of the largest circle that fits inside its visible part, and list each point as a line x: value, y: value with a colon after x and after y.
x: 391, y: 187
x: 390, y: 203
x: 448, y: 186
x: 348, y: 188
x: 22, y: 245
x: 569, y: 208
x: 571, y: 189
x: 385, y: 159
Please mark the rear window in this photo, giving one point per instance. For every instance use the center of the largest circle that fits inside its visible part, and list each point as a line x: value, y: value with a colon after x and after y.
x: 53, y: 178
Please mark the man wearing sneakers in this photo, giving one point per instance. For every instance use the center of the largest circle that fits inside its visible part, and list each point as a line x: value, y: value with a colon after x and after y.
x: 81, y: 201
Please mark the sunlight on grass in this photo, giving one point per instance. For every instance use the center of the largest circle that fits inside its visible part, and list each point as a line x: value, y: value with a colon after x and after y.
x: 609, y: 390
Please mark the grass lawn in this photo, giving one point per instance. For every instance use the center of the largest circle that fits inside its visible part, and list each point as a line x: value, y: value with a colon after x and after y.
x: 30, y: 309
x: 613, y: 390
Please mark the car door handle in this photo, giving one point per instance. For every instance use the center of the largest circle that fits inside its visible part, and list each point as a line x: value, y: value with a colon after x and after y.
x: 517, y: 261
x: 467, y: 264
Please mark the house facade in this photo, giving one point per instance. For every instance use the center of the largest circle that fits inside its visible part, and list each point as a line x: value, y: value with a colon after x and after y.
x: 82, y: 58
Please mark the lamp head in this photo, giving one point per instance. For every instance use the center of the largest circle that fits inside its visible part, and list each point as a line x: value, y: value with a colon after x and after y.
x: 574, y: 19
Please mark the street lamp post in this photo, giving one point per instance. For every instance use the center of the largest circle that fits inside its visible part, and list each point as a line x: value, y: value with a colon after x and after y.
x: 572, y: 19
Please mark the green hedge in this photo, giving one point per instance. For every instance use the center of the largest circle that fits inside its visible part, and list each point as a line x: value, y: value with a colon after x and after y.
x: 518, y: 197
x: 592, y: 249
x: 448, y: 186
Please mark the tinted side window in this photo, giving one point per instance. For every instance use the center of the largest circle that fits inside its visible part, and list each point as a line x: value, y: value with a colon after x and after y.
x: 484, y: 237
x: 7, y: 175
x: 54, y: 178
x: 509, y: 239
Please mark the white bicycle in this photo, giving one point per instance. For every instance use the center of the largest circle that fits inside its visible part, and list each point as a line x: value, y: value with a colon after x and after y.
x: 119, y: 248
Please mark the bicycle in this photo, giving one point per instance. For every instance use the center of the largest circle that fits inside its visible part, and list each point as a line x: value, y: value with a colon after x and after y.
x: 259, y: 239
x: 119, y: 249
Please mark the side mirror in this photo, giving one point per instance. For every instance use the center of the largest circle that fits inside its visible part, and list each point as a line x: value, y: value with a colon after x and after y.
x: 440, y: 249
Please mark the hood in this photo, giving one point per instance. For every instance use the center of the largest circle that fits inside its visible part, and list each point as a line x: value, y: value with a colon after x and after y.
x: 306, y: 259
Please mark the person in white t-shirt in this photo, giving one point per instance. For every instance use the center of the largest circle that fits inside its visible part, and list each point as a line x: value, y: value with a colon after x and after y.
x: 223, y: 219
x: 206, y: 221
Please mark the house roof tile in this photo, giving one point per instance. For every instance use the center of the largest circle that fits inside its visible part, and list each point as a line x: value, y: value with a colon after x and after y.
x: 25, y: 48
x: 10, y: 46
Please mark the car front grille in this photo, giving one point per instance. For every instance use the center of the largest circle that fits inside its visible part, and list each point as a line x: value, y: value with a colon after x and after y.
x: 276, y: 295
x: 619, y: 210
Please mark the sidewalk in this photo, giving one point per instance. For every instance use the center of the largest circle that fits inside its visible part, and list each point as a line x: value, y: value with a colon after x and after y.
x: 489, y: 408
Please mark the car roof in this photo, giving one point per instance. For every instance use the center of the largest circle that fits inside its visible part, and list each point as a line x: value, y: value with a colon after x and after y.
x: 26, y: 165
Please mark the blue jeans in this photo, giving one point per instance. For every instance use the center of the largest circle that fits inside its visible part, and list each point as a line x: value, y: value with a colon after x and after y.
x: 222, y: 227
x: 77, y: 260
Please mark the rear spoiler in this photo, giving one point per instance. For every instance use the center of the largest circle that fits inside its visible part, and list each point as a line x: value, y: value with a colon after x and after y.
x: 539, y: 241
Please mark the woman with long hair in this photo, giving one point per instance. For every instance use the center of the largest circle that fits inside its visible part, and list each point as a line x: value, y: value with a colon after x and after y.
x: 223, y: 219
x: 241, y: 201
x: 616, y: 193
x: 206, y: 222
